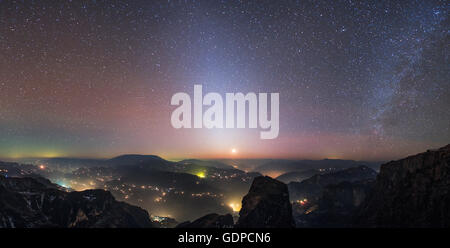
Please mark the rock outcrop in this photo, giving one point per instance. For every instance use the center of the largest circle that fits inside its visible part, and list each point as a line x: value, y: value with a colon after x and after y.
x: 29, y: 203
x: 266, y: 205
x: 411, y: 192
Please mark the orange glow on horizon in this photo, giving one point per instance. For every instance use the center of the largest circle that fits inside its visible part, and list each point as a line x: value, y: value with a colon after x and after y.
x: 235, y: 206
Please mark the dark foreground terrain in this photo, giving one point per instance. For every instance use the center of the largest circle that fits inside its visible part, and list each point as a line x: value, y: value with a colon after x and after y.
x: 36, y: 202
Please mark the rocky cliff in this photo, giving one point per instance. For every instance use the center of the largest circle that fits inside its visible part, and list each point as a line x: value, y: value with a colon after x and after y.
x: 266, y: 205
x: 30, y: 203
x: 411, y: 192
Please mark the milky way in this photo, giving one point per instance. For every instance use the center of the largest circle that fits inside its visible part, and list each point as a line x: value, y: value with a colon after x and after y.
x: 361, y: 80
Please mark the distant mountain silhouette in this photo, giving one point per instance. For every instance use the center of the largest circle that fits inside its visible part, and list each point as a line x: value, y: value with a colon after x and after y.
x: 207, y: 163
x: 298, y: 176
x: 245, y: 164
x: 148, y: 161
x: 127, y: 159
x: 312, y: 188
x: 279, y: 166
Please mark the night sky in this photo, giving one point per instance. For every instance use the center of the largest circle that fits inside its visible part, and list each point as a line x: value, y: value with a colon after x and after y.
x: 357, y: 80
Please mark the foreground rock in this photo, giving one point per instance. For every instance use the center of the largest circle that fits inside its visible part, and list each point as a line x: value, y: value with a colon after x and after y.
x: 266, y: 205
x: 29, y: 203
x: 210, y: 221
x: 412, y: 192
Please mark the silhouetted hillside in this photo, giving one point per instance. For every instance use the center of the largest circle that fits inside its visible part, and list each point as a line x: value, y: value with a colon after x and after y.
x: 278, y: 167
x: 298, y: 176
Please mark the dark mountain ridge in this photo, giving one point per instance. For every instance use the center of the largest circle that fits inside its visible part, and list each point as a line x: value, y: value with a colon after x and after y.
x: 312, y: 187
x: 276, y: 167
x: 207, y: 163
x: 298, y: 176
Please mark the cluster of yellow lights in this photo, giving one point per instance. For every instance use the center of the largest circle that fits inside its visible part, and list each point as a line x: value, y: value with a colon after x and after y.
x: 235, y: 206
x: 201, y: 174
